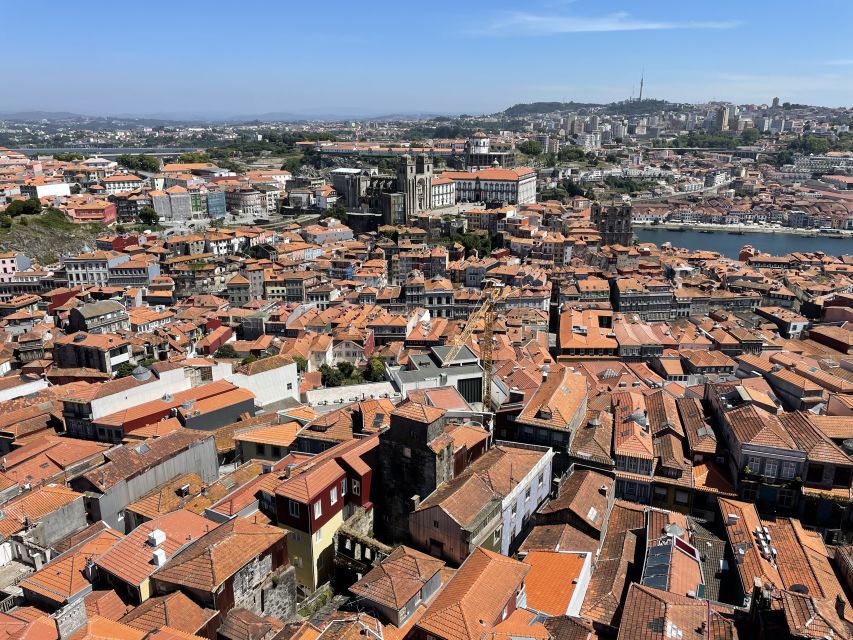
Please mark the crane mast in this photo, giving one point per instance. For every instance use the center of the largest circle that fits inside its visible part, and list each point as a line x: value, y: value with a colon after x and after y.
x: 485, y: 313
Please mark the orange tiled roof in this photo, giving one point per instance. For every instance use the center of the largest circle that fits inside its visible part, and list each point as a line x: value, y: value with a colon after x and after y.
x: 212, y: 559
x: 473, y: 600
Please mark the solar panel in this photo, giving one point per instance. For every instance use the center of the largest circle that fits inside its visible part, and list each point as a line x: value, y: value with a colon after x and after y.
x: 658, y: 582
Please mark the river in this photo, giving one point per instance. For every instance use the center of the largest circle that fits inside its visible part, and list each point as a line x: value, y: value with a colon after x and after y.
x: 728, y: 244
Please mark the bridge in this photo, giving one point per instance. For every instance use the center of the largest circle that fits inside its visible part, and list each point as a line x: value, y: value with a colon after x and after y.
x: 109, y: 152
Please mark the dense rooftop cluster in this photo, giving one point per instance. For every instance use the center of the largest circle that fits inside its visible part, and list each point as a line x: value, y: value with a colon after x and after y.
x: 430, y: 416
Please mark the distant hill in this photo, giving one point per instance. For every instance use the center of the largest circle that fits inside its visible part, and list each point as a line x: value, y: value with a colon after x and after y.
x: 536, y: 108
x: 628, y: 107
x: 31, y: 116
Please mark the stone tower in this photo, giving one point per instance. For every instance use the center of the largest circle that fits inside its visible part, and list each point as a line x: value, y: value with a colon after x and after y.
x: 613, y: 223
x: 414, y: 180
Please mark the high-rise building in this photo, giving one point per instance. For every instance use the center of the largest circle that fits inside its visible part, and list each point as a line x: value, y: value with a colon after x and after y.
x: 775, y: 103
x: 723, y: 118
x: 613, y: 223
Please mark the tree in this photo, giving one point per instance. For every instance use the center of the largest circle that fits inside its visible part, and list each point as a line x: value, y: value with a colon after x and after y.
x: 5, y: 221
x: 226, y: 351
x: 374, y: 370
x: 750, y: 136
x: 346, y: 368
x: 571, y: 154
x: 23, y: 207
x: 194, y: 157
x: 330, y: 377
x: 293, y: 164
x: 124, y: 370
x: 530, y: 147
x: 139, y: 162
x: 147, y: 215
x: 67, y: 157
x: 301, y: 364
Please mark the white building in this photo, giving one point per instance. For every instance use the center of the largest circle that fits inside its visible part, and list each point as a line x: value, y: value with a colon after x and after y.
x: 515, y: 186
x: 443, y: 192
x: 122, y: 182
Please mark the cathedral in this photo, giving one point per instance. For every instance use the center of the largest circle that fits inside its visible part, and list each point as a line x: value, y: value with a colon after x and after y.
x: 414, y: 180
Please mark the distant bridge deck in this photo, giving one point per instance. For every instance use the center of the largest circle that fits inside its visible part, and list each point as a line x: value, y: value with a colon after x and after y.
x: 106, y: 152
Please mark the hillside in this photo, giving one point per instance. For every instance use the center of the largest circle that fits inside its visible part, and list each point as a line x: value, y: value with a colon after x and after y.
x: 535, y: 108
x: 46, y: 237
x: 627, y: 107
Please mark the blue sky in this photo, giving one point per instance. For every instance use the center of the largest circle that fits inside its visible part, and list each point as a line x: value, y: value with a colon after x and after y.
x: 377, y: 57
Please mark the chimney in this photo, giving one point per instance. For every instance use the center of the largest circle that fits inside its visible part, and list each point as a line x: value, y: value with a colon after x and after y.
x: 89, y: 571
x: 416, y: 502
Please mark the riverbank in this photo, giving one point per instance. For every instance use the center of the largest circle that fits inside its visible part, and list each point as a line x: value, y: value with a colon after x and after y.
x: 738, y: 230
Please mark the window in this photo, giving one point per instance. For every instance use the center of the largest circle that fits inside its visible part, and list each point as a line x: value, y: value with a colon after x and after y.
x: 842, y: 477
x: 294, y: 508
x: 276, y: 451
x: 333, y: 495
x: 771, y: 468
x: 356, y: 487
x: 407, y: 452
x: 789, y: 470
x: 318, y: 535
x: 344, y: 487
x: 527, y: 495
x: 815, y: 473
x: 259, y: 448
x: 496, y: 537
x: 750, y: 492
x: 289, y: 386
x: 541, y: 478
x: 318, y: 509
x: 661, y: 493
x: 682, y: 497
x: 786, y: 498
x: 754, y: 463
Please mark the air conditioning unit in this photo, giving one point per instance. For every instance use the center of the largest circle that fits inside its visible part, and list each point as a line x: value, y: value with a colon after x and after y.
x: 156, y: 538
x: 158, y: 558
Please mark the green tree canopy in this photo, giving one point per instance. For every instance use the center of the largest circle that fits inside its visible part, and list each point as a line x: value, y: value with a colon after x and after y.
x: 330, y: 376
x: 301, y: 364
x: 124, y: 370
x: 193, y: 157
x: 23, y: 207
x: 531, y: 147
x: 139, y: 162
x: 147, y: 215
x: 374, y: 370
x: 226, y: 351
x: 571, y: 154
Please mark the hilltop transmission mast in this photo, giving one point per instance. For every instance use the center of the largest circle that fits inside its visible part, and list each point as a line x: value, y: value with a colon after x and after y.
x: 642, y: 73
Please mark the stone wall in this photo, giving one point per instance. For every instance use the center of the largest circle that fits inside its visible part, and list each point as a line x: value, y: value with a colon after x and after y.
x: 278, y: 595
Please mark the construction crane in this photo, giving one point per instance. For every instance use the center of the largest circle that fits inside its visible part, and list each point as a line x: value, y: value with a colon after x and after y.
x: 485, y: 313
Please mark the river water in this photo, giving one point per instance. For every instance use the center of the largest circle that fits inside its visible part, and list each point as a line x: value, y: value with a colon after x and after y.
x: 777, y: 244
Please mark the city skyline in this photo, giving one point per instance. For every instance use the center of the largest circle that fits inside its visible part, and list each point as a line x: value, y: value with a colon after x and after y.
x: 338, y: 60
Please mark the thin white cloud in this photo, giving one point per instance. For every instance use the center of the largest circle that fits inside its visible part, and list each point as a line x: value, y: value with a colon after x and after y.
x: 525, y: 23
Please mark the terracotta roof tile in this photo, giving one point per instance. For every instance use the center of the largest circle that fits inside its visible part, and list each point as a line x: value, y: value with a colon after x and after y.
x: 175, y: 610
x: 130, y: 559
x: 398, y: 578
x: 472, y: 602
x: 218, y: 555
